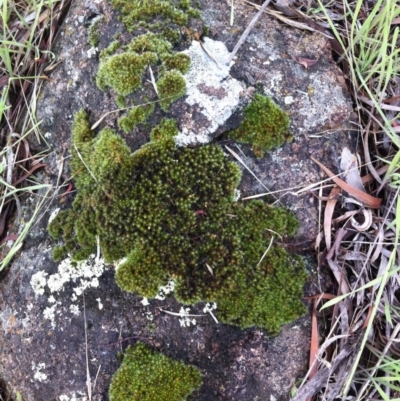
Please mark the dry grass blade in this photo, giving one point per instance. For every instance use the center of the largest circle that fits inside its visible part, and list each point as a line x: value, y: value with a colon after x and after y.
x: 368, y: 200
x: 365, y: 255
x: 27, y: 32
x: 247, y: 31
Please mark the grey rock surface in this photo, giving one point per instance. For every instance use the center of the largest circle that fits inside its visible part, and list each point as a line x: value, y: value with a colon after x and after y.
x: 43, y: 335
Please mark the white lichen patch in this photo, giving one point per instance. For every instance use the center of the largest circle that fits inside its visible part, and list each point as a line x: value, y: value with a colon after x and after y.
x: 185, y: 318
x: 92, y: 52
x: 38, y: 282
x: 145, y: 302
x: 54, y: 213
x: 82, y: 276
x: 288, y: 99
x: 39, y: 375
x: 79, y: 396
x: 210, y: 88
x: 99, y: 303
x: 165, y: 290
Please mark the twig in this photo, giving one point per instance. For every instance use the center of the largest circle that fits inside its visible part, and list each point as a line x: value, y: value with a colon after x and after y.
x: 88, y: 380
x: 247, y: 31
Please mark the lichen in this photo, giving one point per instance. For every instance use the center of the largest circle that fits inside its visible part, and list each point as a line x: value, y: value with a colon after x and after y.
x: 265, y: 126
x: 170, y: 212
x: 147, y: 375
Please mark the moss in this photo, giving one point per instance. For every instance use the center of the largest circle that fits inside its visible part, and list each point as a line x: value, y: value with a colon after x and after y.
x: 120, y: 100
x: 175, y: 219
x: 135, y: 116
x: 123, y: 72
x: 93, y: 32
x: 166, y: 129
x: 138, y: 12
x: 111, y: 49
x: 147, y: 375
x: 171, y: 87
x: 178, y: 61
x: 265, y: 126
x: 150, y: 42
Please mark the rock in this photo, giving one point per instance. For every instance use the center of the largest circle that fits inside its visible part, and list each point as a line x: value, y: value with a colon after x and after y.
x: 47, y: 335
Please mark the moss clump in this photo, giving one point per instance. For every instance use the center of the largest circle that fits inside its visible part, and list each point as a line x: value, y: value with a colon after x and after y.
x: 150, y: 42
x: 143, y: 13
x: 135, y: 116
x: 146, y: 375
x: 167, y: 129
x: 110, y: 50
x: 93, y: 31
x: 123, y: 72
x: 120, y: 100
x: 170, y: 87
x: 265, y: 126
x: 178, y: 61
x: 170, y: 211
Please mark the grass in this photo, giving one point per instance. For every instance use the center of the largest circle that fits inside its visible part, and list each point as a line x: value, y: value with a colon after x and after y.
x: 365, y: 321
x: 27, y: 32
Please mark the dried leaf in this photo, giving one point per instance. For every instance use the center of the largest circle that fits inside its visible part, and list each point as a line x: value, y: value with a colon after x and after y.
x: 314, y: 342
x: 306, y: 62
x: 368, y: 200
x: 349, y: 166
x: 367, y: 221
x: 329, y: 209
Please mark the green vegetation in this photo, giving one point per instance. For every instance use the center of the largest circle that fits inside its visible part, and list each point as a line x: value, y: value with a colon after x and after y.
x: 171, y: 87
x: 137, y: 13
x: 93, y: 31
x: 26, y: 43
x: 265, y: 126
x: 136, y: 116
x: 150, y: 42
x: 177, y: 61
x: 166, y: 129
x: 147, y: 375
x: 123, y: 72
x: 177, y: 220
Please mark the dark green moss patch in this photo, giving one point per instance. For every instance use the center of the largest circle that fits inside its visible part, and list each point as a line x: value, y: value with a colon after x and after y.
x: 123, y: 72
x: 147, y: 375
x: 171, y: 87
x: 178, y: 61
x: 170, y: 211
x: 265, y: 126
x: 150, y: 42
x: 167, y: 129
x: 93, y: 31
x: 135, y: 116
x: 143, y: 13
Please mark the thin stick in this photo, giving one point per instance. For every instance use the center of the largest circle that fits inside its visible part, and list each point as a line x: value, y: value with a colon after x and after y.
x: 88, y: 380
x: 247, y: 31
